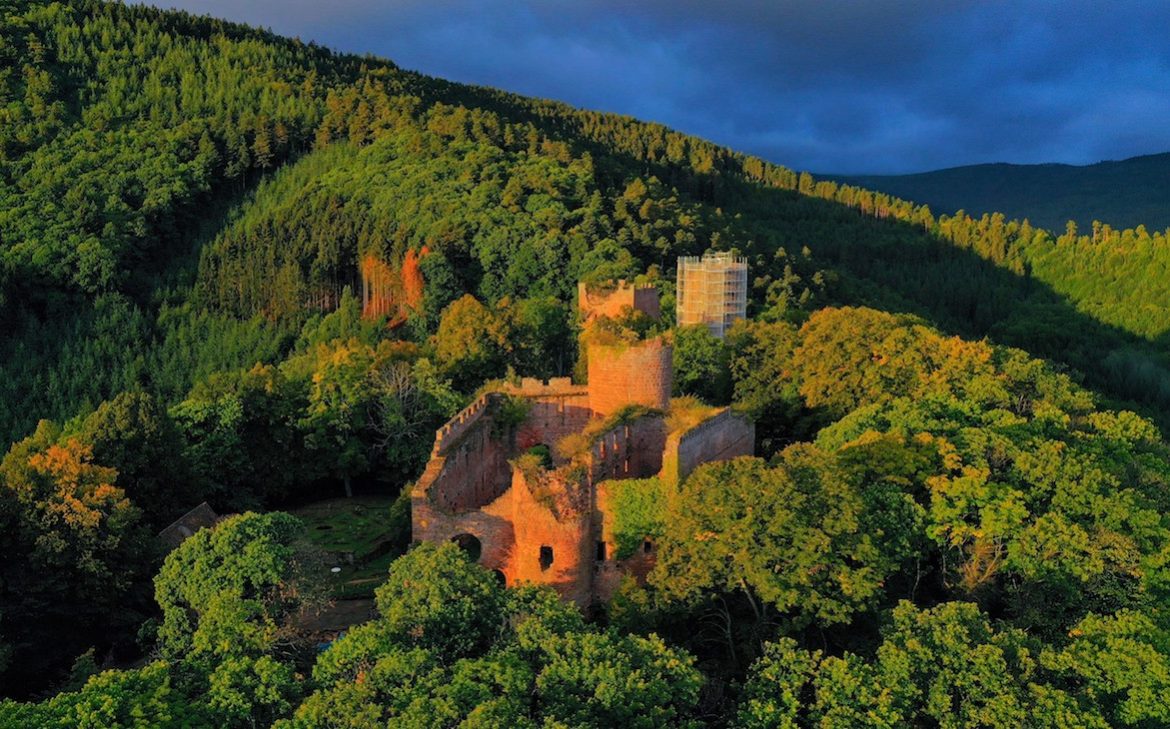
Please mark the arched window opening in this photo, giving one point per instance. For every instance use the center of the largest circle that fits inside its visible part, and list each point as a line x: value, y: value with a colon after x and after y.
x: 546, y: 557
x: 470, y: 544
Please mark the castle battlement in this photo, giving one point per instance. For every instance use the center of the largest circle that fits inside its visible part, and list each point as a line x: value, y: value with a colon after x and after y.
x: 458, y: 425
x: 553, y: 387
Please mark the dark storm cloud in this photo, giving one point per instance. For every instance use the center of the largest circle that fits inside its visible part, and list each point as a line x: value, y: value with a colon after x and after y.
x: 846, y: 86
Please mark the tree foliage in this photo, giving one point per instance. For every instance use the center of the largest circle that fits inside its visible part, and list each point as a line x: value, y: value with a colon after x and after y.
x: 186, y: 208
x: 452, y: 647
x: 73, y: 548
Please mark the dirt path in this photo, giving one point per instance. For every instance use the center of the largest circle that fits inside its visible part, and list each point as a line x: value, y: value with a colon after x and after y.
x: 338, y: 616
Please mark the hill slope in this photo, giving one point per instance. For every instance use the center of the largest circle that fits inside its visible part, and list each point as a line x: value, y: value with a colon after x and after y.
x: 1125, y: 193
x: 242, y: 269
x: 130, y: 132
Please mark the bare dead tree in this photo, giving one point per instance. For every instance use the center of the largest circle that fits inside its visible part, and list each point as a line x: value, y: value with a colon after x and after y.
x: 399, y: 411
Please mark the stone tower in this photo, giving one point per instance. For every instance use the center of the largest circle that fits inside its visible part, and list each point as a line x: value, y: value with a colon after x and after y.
x: 639, y: 373
x: 712, y: 290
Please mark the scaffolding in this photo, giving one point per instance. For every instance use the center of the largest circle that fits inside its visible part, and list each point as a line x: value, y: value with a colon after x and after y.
x: 712, y: 290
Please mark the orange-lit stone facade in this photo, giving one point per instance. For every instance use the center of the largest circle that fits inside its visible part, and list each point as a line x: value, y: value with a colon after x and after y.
x: 614, y: 300
x: 532, y: 524
x: 634, y: 374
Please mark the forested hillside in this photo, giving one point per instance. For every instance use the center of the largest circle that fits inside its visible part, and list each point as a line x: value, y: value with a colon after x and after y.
x: 242, y: 269
x: 1124, y: 193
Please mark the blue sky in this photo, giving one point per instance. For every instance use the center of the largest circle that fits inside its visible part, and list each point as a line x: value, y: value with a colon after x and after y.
x: 845, y: 86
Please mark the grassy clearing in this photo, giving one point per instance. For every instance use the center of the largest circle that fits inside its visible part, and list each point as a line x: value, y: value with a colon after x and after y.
x: 362, y: 536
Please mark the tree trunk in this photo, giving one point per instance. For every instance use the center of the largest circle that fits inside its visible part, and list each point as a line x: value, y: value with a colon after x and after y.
x: 348, y: 486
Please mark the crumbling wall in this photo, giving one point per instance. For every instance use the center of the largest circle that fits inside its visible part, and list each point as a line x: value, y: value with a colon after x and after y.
x: 470, y: 488
x: 629, y: 374
x: 545, y: 526
x: 594, y: 301
x: 462, y: 488
x: 469, y: 461
x: 629, y: 450
x: 551, y: 512
x: 721, y: 437
x: 491, y: 525
x: 545, y: 517
x: 558, y: 408
x: 610, y: 571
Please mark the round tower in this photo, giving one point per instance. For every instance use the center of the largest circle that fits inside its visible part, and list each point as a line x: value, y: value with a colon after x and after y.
x: 640, y: 373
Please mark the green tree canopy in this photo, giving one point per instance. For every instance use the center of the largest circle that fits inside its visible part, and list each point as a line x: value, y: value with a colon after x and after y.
x: 453, y: 647
x: 946, y: 667
x: 798, y: 538
x: 701, y: 365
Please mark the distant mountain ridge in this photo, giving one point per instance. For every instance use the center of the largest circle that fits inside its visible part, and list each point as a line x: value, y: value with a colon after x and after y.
x: 1125, y: 193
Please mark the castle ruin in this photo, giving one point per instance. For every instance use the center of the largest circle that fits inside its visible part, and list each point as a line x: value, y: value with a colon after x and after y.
x: 549, y: 520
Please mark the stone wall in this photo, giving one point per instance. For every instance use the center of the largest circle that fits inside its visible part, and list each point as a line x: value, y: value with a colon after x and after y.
x: 613, y: 302
x: 514, y: 530
x: 633, y: 374
x: 608, y: 573
x: 469, y: 462
x: 721, y: 437
x: 630, y: 450
x: 566, y: 533
x: 464, y: 483
x: 490, y: 525
x: 557, y: 408
x: 545, y: 526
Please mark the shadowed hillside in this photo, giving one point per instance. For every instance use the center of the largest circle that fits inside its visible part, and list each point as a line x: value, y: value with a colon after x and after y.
x: 1125, y: 193
x: 511, y: 197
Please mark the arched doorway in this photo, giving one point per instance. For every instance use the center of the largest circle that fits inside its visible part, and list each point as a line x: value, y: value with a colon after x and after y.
x: 500, y: 577
x: 470, y: 544
x: 542, y: 453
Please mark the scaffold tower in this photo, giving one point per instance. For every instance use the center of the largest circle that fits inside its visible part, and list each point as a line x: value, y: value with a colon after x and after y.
x: 712, y: 290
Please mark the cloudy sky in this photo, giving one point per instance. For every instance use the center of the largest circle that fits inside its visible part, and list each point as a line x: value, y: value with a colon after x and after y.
x: 845, y: 86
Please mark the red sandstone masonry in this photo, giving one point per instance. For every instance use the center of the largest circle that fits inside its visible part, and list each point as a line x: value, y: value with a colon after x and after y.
x: 607, y: 575
x: 630, y: 450
x: 634, y: 374
x: 567, y: 532
x: 721, y: 437
x: 514, y: 527
x: 463, y: 421
x: 558, y: 408
x: 468, y: 466
x: 613, y: 303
